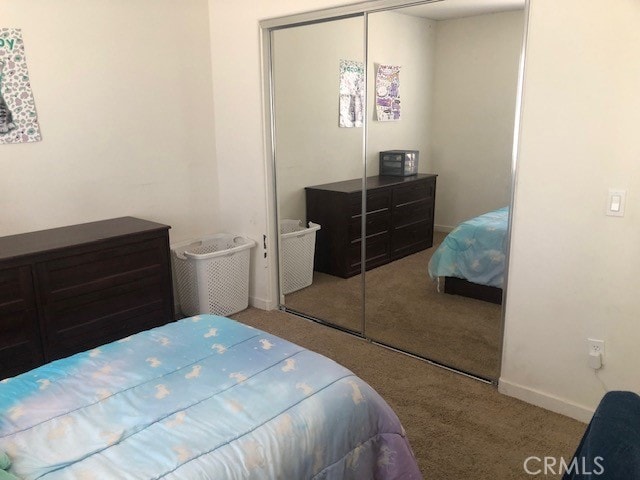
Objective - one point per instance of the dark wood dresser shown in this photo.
(399, 221)
(69, 289)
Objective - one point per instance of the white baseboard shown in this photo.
(546, 401)
(261, 303)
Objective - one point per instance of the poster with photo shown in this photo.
(388, 93)
(18, 118)
(351, 93)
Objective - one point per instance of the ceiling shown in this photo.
(446, 9)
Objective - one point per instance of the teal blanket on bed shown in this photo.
(205, 397)
(475, 250)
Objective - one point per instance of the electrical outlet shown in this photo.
(596, 346)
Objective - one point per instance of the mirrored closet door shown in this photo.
(416, 186)
(318, 111)
(457, 76)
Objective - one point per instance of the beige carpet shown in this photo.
(404, 309)
(459, 428)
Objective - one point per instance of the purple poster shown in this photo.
(388, 93)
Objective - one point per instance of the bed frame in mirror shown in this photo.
(460, 286)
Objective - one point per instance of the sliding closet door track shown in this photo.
(389, 347)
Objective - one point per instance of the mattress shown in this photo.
(202, 398)
(475, 250)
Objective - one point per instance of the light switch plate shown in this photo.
(615, 202)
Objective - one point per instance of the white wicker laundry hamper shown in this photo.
(298, 246)
(212, 274)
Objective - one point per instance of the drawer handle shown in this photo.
(385, 209)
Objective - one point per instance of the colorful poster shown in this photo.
(18, 119)
(351, 93)
(388, 93)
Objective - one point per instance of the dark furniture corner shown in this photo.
(399, 221)
(69, 289)
(610, 447)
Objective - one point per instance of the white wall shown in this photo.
(397, 39)
(474, 97)
(311, 148)
(574, 271)
(123, 95)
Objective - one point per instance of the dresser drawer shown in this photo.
(377, 201)
(411, 239)
(81, 323)
(102, 295)
(377, 252)
(378, 222)
(16, 289)
(20, 347)
(77, 275)
(413, 192)
(412, 213)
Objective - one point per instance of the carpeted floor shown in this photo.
(404, 309)
(459, 428)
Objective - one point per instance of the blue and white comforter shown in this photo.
(202, 398)
(474, 250)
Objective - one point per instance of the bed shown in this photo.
(471, 259)
(202, 398)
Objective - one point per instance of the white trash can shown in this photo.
(212, 274)
(298, 245)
